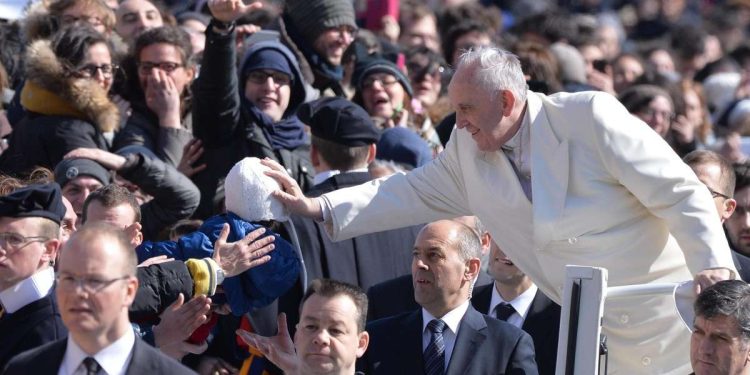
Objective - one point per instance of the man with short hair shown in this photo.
(343, 144)
(514, 298)
(330, 335)
(720, 343)
(738, 225)
(78, 178)
(96, 286)
(29, 241)
(717, 174)
(446, 335)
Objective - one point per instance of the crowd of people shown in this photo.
(379, 187)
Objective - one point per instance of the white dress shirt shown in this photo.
(521, 304)
(452, 324)
(29, 290)
(113, 359)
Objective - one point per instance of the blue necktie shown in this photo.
(434, 356)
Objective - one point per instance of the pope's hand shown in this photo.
(290, 193)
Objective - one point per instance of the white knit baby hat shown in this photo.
(248, 192)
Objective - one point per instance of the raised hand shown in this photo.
(237, 257)
(163, 98)
(278, 349)
(179, 320)
(190, 154)
(229, 10)
(291, 194)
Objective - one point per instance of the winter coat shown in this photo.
(62, 114)
(256, 287)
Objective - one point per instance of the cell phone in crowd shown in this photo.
(600, 65)
(261, 36)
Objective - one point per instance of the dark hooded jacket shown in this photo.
(224, 125)
(62, 114)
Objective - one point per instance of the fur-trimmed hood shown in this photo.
(49, 91)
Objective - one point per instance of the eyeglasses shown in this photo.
(716, 194)
(91, 70)
(260, 77)
(418, 72)
(650, 113)
(387, 81)
(145, 67)
(70, 19)
(14, 241)
(91, 285)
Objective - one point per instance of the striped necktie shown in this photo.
(434, 356)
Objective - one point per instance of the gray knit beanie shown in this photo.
(312, 17)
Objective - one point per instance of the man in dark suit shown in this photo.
(396, 296)
(719, 177)
(96, 284)
(29, 240)
(514, 298)
(343, 144)
(446, 335)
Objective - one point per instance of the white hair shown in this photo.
(495, 70)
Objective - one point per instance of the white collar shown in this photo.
(30, 289)
(452, 319)
(520, 135)
(521, 304)
(322, 176)
(113, 358)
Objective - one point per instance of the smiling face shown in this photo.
(382, 95)
(490, 118)
(502, 269)
(327, 339)
(270, 91)
(332, 43)
(718, 348)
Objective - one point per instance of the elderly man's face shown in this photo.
(440, 277)
(23, 249)
(738, 225)
(718, 348)
(94, 289)
(481, 113)
(327, 339)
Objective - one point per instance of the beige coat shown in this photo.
(607, 192)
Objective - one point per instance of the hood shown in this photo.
(298, 91)
(48, 84)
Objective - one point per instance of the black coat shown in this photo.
(542, 323)
(33, 325)
(226, 130)
(484, 345)
(47, 360)
(158, 287)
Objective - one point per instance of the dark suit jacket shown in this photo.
(484, 345)
(47, 359)
(364, 260)
(33, 325)
(742, 263)
(542, 323)
(396, 296)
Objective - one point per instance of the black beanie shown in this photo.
(312, 17)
